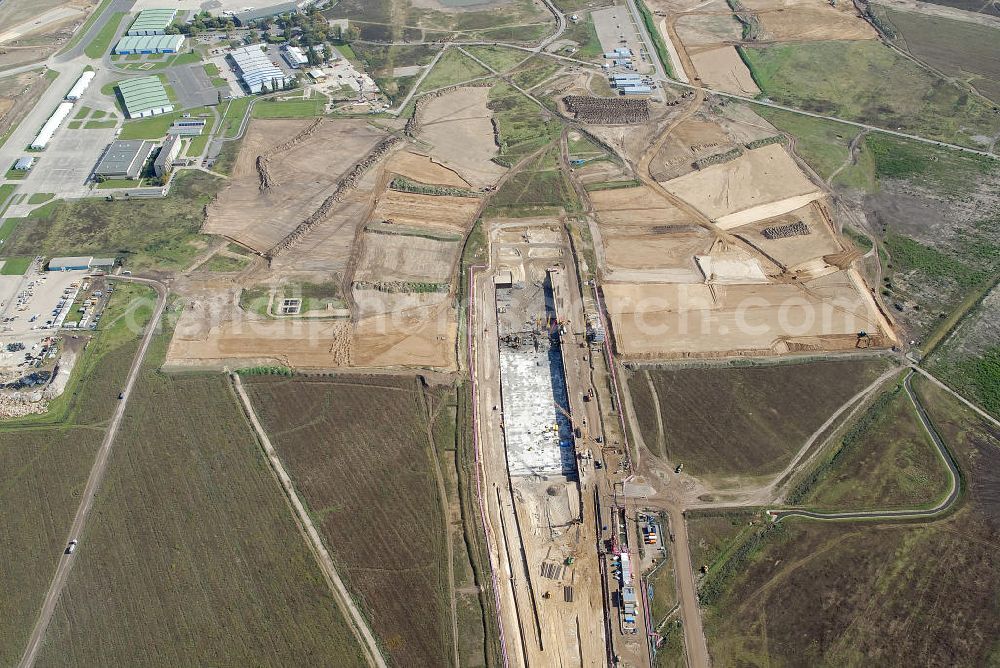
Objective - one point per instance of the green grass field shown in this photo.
(101, 43)
(499, 58)
(45, 460)
(288, 109)
(873, 84)
(540, 188)
(823, 144)
(522, 126)
(224, 263)
(16, 265)
(232, 117)
(884, 460)
(155, 127)
(192, 555)
(160, 233)
(453, 67)
(851, 593)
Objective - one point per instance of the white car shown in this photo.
(71, 547)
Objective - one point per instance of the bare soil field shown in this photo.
(699, 29)
(797, 250)
(213, 331)
(404, 329)
(723, 69)
(424, 169)
(18, 94)
(657, 255)
(363, 465)
(809, 20)
(828, 593)
(681, 320)
(635, 207)
(399, 257)
(303, 165)
(457, 124)
(748, 421)
(330, 244)
(449, 213)
(761, 183)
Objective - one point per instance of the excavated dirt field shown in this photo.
(398, 257)
(699, 29)
(670, 320)
(724, 70)
(761, 183)
(454, 214)
(458, 126)
(794, 251)
(213, 331)
(809, 20)
(301, 177)
(404, 330)
(424, 169)
(635, 206)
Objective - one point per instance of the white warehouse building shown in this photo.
(51, 125)
(256, 70)
(76, 92)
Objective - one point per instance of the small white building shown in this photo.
(294, 56)
(76, 92)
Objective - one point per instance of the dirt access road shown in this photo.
(94, 480)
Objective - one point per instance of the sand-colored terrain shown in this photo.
(398, 257)
(213, 331)
(444, 212)
(424, 169)
(635, 206)
(404, 330)
(723, 69)
(792, 251)
(698, 29)
(652, 321)
(810, 20)
(301, 176)
(761, 183)
(458, 126)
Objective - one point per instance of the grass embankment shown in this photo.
(500, 58)
(659, 44)
(452, 67)
(540, 188)
(155, 233)
(233, 116)
(288, 109)
(385, 530)
(742, 421)
(522, 127)
(45, 460)
(156, 127)
(101, 43)
(212, 563)
(870, 83)
(843, 593)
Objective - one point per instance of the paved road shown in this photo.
(93, 481)
(943, 506)
(363, 631)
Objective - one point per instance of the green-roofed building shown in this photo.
(152, 22)
(144, 97)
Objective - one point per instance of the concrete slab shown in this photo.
(192, 86)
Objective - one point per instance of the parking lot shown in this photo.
(192, 86)
(65, 165)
